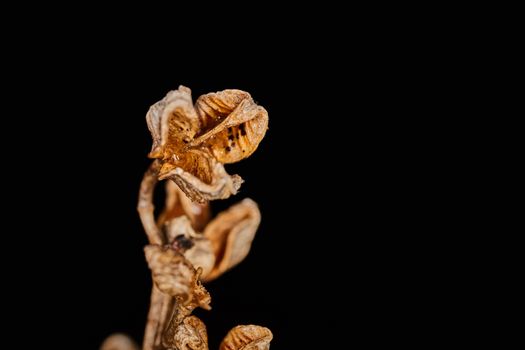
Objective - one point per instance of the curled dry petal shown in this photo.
(221, 186)
(201, 255)
(178, 204)
(174, 275)
(119, 342)
(231, 234)
(172, 122)
(234, 124)
(247, 338)
(189, 334)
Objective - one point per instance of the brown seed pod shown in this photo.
(231, 234)
(247, 338)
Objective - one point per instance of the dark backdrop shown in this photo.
(317, 176)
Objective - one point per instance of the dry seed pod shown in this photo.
(234, 124)
(231, 234)
(174, 275)
(178, 204)
(118, 342)
(189, 334)
(247, 338)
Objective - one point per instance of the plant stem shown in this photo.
(159, 302)
(145, 205)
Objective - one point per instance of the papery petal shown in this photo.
(231, 234)
(172, 122)
(189, 334)
(221, 185)
(174, 275)
(233, 124)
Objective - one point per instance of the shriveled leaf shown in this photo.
(189, 334)
(174, 275)
(172, 122)
(119, 342)
(178, 204)
(233, 125)
(231, 234)
(248, 337)
(222, 184)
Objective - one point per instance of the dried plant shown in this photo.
(191, 144)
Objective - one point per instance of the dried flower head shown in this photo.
(192, 142)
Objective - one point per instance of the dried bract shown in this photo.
(189, 334)
(231, 234)
(212, 181)
(234, 124)
(247, 338)
(174, 275)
